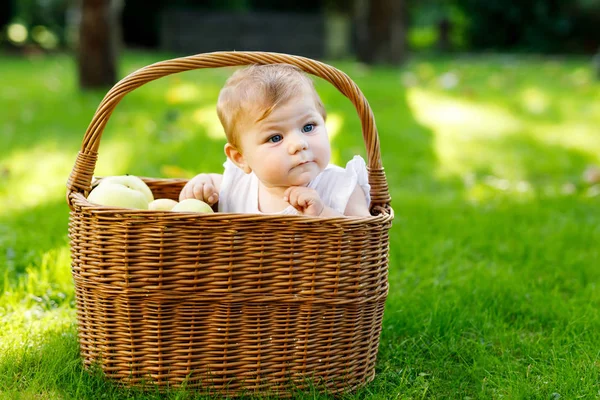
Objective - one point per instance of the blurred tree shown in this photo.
(99, 38)
(6, 12)
(380, 31)
(545, 26)
(43, 20)
(439, 24)
(142, 18)
(339, 29)
(596, 64)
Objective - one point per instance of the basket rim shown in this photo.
(81, 203)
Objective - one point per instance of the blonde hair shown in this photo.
(256, 91)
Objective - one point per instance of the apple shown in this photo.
(193, 205)
(132, 182)
(117, 195)
(162, 204)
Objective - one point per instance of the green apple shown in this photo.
(162, 204)
(193, 205)
(117, 195)
(132, 182)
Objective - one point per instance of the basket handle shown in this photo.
(81, 176)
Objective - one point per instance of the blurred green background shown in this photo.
(540, 26)
(488, 115)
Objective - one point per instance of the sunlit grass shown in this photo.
(464, 132)
(33, 176)
(523, 128)
(471, 139)
(493, 265)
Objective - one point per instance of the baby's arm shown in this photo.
(203, 187)
(308, 202)
(357, 204)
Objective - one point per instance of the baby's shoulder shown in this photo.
(336, 184)
(354, 168)
(333, 169)
(332, 175)
(234, 177)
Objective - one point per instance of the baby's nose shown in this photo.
(298, 143)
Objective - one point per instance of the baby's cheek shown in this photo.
(326, 151)
(325, 159)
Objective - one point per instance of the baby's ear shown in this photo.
(237, 158)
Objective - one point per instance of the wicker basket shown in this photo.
(233, 303)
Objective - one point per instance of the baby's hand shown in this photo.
(305, 200)
(200, 187)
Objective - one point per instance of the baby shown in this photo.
(278, 151)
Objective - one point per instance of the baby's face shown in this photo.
(290, 147)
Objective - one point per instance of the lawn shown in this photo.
(494, 262)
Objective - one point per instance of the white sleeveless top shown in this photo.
(239, 191)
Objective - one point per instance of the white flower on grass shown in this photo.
(449, 80)
(498, 183)
(523, 186)
(409, 79)
(591, 174)
(593, 191)
(568, 188)
(469, 179)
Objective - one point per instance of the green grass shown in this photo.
(494, 264)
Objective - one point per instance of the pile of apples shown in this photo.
(129, 191)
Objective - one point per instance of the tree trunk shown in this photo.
(380, 31)
(444, 31)
(596, 64)
(99, 37)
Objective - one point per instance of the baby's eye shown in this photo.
(275, 138)
(308, 128)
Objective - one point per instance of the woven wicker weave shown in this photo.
(234, 303)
